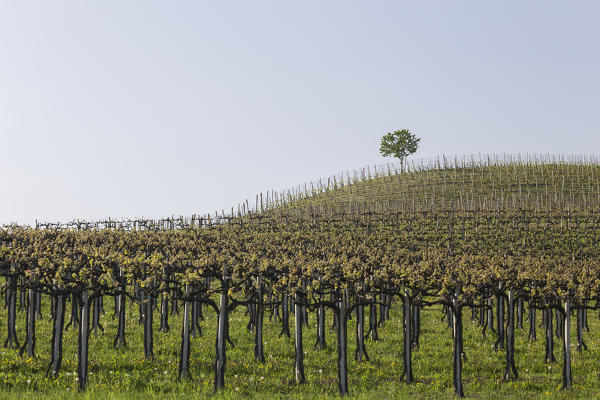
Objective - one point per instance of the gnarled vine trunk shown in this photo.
(56, 345)
(342, 345)
(299, 359)
(83, 342)
(407, 373)
(457, 355)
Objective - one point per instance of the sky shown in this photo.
(126, 108)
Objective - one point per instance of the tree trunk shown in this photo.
(120, 338)
(407, 374)
(490, 315)
(382, 309)
(22, 295)
(416, 331)
(184, 359)
(84, 336)
(74, 320)
(285, 316)
(549, 344)
(222, 335)
(258, 323)
(510, 370)
(194, 319)
(11, 338)
(373, 320)
(164, 313)
(148, 328)
(580, 324)
(532, 324)
(275, 314)
(566, 337)
(96, 315)
(361, 350)
(342, 345)
(499, 345)
(38, 305)
(299, 364)
(320, 344)
(56, 344)
(30, 325)
(457, 348)
(520, 309)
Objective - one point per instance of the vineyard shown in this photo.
(507, 247)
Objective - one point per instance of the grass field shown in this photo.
(528, 185)
(124, 374)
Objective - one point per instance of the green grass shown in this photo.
(486, 185)
(124, 374)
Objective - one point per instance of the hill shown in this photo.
(461, 184)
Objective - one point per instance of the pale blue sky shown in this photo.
(131, 108)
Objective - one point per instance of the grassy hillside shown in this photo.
(539, 183)
(535, 184)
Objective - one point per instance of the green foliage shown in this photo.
(399, 144)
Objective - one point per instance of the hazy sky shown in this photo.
(147, 108)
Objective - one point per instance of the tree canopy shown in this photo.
(399, 144)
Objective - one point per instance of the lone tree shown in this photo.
(399, 144)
